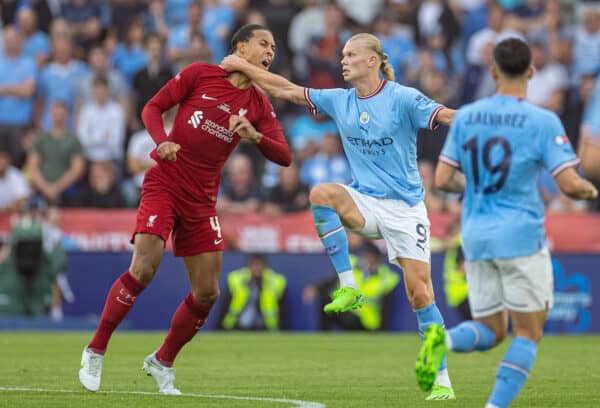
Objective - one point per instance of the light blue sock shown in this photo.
(469, 336)
(333, 236)
(513, 372)
(426, 317)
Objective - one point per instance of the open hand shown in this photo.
(168, 151)
(242, 126)
(232, 63)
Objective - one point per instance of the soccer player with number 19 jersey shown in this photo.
(216, 110)
(500, 145)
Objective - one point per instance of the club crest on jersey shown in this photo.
(224, 107)
(242, 112)
(364, 118)
(151, 220)
(195, 119)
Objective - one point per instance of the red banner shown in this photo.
(110, 230)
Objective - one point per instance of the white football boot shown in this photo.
(90, 372)
(164, 376)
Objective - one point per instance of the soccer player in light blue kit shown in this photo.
(378, 121)
(500, 145)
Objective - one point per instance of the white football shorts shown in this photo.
(522, 284)
(404, 229)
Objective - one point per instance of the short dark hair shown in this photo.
(512, 56)
(245, 33)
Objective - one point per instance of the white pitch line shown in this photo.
(296, 403)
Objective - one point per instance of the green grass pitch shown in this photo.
(39, 369)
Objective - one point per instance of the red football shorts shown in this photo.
(195, 226)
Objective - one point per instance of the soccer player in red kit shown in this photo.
(216, 110)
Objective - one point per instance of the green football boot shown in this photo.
(439, 392)
(344, 299)
(431, 355)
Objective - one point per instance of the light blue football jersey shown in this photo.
(379, 135)
(501, 143)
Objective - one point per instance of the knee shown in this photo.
(206, 297)
(320, 195)
(420, 297)
(143, 269)
(500, 335)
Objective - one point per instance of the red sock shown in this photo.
(187, 320)
(120, 298)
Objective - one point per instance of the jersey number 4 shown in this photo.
(500, 168)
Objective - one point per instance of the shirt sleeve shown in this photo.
(174, 92)
(273, 145)
(557, 152)
(323, 100)
(422, 110)
(451, 150)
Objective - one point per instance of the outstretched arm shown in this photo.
(273, 84)
(445, 116)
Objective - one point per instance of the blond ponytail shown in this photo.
(386, 69)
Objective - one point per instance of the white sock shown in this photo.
(443, 378)
(448, 341)
(347, 279)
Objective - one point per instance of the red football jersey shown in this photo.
(206, 101)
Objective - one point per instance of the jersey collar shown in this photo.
(375, 92)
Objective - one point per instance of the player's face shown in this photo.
(356, 60)
(260, 49)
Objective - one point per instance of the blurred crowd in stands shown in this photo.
(75, 75)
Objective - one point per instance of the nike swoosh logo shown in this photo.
(218, 241)
(123, 302)
(210, 98)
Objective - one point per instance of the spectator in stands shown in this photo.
(325, 52)
(56, 162)
(123, 12)
(129, 57)
(289, 195)
(306, 24)
(179, 47)
(17, 85)
(84, 17)
(240, 194)
(98, 65)
(328, 165)
(176, 12)
(101, 125)
(198, 51)
(307, 133)
(547, 87)
(59, 78)
(496, 30)
(148, 80)
(13, 185)
(36, 44)
(376, 281)
(155, 19)
(255, 298)
(101, 189)
(586, 44)
(217, 20)
(399, 47)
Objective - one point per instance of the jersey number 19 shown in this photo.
(501, 167)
